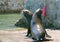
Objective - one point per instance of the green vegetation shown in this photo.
(7, 21)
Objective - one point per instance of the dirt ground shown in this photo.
(20, 36)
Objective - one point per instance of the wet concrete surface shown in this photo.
(20, 36)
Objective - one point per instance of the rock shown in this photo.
(22, 23)
(33, 5)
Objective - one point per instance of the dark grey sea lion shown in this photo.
(28, 14)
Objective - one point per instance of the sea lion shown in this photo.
(28, 14)
(37, 28)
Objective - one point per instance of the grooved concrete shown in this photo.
(20, 36)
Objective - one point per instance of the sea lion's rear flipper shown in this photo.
(47, 34)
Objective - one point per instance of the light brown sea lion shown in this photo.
(37, 29)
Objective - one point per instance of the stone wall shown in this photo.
(11, 5)
(53, 11)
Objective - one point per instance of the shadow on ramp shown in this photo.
(46, 40)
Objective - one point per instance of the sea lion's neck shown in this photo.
(37, 19)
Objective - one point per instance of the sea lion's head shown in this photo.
(27, 12)
(38, 13)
